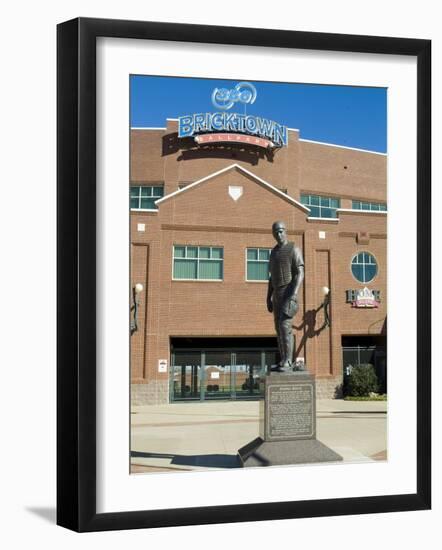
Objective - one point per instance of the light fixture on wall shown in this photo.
(136, 291)
(326, 305)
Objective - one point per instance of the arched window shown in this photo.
(364, 267)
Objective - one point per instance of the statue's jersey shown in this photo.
(284, 263)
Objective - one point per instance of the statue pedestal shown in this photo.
(287, 424)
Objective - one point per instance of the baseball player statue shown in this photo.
(286, 268)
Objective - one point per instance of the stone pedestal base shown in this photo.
(277, 453)
(287, 424)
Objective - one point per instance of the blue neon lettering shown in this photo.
(251, 124)
(232, 122)
(264, 127)
(240, 124)
(198, 122)
(280, 133)
(217, 121)
(185, 126)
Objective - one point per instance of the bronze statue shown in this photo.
(286, 268)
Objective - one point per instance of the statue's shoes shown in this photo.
(279, 368)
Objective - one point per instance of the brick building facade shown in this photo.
(201, 218)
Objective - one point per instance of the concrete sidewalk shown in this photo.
(207, 435)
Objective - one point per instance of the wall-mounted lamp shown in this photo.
(136, 290)
(326, 305)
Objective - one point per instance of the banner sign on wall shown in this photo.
(363, 297)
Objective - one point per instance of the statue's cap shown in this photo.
(276, 224)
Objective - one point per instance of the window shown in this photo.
(144, 196)
(364, 267)
(321, 207)
(362, 205)
(198, 263)
(258, 264)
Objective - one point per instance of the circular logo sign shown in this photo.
(243, 92)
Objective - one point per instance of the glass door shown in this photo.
(205, 374)
(249, 369)
(186, 375)
(217, 383)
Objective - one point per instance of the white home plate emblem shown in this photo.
(235, 192)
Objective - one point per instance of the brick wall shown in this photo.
(302, 166)
(207, 215)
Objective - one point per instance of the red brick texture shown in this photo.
(207, 215)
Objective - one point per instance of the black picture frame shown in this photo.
(76, 274)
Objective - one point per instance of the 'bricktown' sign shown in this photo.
(236, 127)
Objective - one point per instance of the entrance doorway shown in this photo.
(220, 368)
(362, 350)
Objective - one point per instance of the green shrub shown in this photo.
(362, 381)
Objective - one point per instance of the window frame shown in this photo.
(371, 204)
(139, 209)
(197, 246)
(355, 255)
(320, 206)
(258, 248)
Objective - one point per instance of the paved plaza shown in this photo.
(207, 435)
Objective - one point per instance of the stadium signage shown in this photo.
(364, 298)
(202, 139)
(243, 92)
(268, 133)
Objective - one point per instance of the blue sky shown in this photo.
(343, 115)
